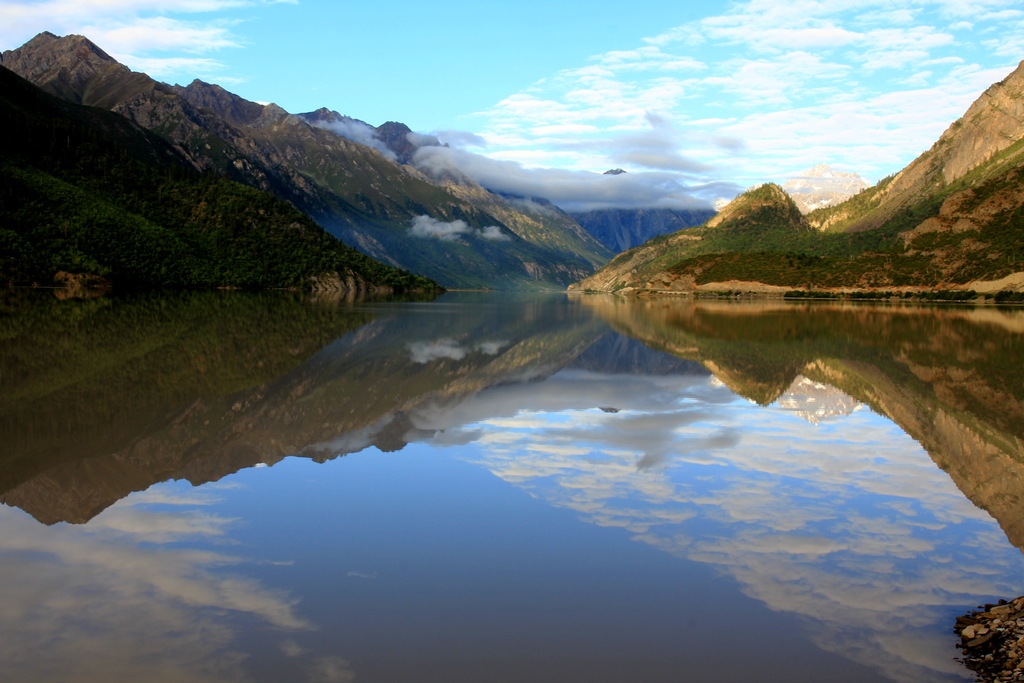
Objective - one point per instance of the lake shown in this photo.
(498, 487)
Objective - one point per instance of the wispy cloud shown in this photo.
(174, 596)
(857, 83)
(358, 131)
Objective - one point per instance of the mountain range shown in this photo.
(951, 221)
(89, 198)
(449, 229)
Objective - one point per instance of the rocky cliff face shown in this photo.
(821, 186)
(993, 123)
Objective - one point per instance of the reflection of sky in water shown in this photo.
(122, 599)
(848, 523)
(391, 566)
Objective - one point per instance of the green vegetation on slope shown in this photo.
(85, 191)
(83, 378)
(978, 239)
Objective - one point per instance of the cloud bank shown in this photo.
(574, 190)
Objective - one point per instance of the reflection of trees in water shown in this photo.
(198, 386)
(85, 379)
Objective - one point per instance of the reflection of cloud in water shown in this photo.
(423, 352)
(163, 615)
(847, 522)
(331, 670)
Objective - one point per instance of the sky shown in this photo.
(704, 99)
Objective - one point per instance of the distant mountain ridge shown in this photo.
(353, 190)
(622, 229)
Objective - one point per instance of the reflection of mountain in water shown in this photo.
(951, 378)
(107, 396)
(814, 401)
(198, 386)
(620, 355)
(837, 521)
(86, 384)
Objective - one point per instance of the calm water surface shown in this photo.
(233, 487)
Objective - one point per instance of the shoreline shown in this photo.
(992, 640)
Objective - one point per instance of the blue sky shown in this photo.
(713, 97)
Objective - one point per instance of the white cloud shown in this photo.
(787, 84)
(357, 131)
(168, 612)
(577, 190)
(162, 34)
(460, 138)
(427, 352)
(493, 233)
(425, 226)
(839, 523)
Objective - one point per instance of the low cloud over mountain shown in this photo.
(574, 190)
(425, 226)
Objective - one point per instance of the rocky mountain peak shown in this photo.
(225, 104)
(614, 171)
(823, 170)
(768, 196)
(65, 66)
(823, 186)
(323, 115)
(401, 140)
(75, 69)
